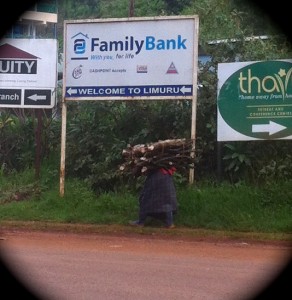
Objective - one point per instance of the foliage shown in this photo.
(18, 138)
(20, 188)
(276, 165)
(16, 142)
(98, 132)
(79, 9)
(238, 160)
(175, 7)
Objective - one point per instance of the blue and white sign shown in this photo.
(129, 91)
(130, 58)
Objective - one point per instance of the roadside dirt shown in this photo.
(147, 233)
(219, 249)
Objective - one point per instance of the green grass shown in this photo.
(242, 208)
(221, 207)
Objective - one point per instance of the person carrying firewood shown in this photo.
(158, 198)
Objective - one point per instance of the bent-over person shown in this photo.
(158, 198)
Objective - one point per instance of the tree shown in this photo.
(97, 133)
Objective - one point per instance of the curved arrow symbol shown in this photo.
(271, 128)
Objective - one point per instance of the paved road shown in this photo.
(84, 267)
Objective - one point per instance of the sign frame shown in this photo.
(143, 72)
(164, 43)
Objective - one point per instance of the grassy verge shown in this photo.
(204, 209)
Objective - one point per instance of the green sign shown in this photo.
(255, 100)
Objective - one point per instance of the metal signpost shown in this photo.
(255, 101)
(28, 73)
(129, 59)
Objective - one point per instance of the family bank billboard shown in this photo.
(28, 73)
(254, 100)
(130, 58)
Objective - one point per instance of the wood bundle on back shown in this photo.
(142, 158)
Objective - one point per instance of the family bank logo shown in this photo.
(79, 45)
(128, 43)
(17, 61)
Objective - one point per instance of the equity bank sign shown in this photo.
(16, 61)
(28, 73)
(254, 100)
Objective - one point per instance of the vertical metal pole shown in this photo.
(63, 148)
(194, 100)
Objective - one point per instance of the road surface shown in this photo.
(67, 266)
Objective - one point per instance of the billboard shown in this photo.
(254, 100)
(130, 58)
(28, 73)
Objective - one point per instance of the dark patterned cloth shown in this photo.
(158, 194)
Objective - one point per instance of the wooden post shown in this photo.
(131, 8)
(38, 139)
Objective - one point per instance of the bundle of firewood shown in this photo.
(142, 158)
